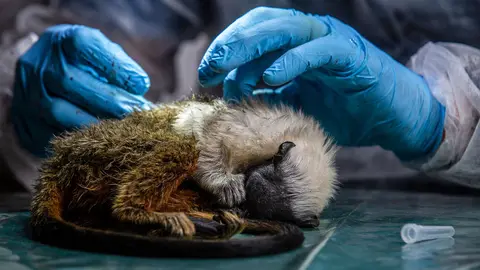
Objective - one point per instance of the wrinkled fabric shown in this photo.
(400, 28)
(20, 163)
(452, 72)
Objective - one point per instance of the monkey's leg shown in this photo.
(136, 207)
(146, 189)
(222, 225)
(261, 227)
(168, 224)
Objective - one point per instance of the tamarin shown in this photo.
(183, 178)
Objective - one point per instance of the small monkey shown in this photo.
(294, 159)
(186, 176)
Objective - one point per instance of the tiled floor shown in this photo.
(360, 230)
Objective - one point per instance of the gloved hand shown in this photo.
(360, 95)
(71, 77)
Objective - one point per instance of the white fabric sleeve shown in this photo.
(22, 164)
(452, 72)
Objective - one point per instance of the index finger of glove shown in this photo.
(209, 75)
(99, 98)
(242, 81)
(331, 52)
(265, 37)
(89, 47)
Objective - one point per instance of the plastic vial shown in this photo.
(412, 233)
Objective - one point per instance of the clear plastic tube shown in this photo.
(412, 233)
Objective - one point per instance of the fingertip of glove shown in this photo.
(59, 28)
(215, 60)
(137, 83)
(77, 36)
(204, 75)
(231, 97)
(212, 66)
(207, 77)
(271, 78)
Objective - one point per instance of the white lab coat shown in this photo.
(451, 71)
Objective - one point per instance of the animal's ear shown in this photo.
(282, 152)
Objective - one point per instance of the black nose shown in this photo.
(311, 223)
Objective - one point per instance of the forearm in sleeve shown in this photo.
(21, 164)
(452, 72)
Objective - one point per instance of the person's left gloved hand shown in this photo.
(72, 76)
(360, 95)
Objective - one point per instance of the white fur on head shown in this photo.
(194, 115)
(232, 138)
(309, 169)
(310, 175)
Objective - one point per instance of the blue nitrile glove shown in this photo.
(359, 94)
(72, 76)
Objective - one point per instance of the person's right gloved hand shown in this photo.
(71, 77)
(358, 93)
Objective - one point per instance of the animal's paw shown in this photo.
(233, 224)
(175, 225)
(182, 226)
(232, 192)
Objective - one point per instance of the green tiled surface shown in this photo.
(361, 230)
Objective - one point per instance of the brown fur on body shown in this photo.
(126, 182)
(137, 162)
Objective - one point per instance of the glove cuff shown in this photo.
(429, 136)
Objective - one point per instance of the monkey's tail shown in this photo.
(48, 227)
(63, 234)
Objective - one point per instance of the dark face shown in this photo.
(267, 195)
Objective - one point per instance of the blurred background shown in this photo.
(361, 228)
